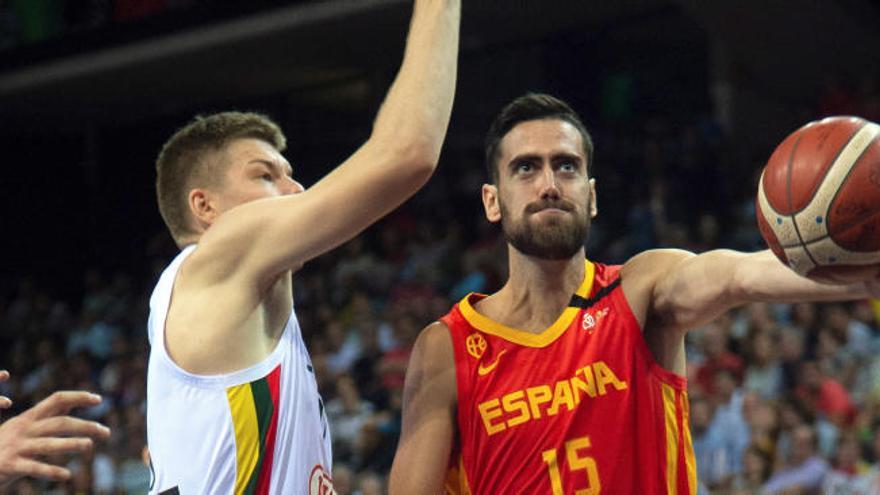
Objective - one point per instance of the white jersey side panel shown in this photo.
(211, 434)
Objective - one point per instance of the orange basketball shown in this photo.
(818, 202)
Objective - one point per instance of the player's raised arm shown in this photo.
(429, 404)
(267, 237)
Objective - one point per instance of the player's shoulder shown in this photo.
(653, 263)
(433, 347)
(433, 362)
(642, 273)
(211, 266)
(434, 336)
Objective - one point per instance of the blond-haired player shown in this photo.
(232, 404)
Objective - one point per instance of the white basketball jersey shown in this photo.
(255, 431)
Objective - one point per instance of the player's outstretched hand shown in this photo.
(47, 430)
(5, 402)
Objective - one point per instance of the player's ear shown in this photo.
(202, 205)
(593, 209)
(491, 202)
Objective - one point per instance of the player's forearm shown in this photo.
(762, 277)
(697, 289)
(415, 114)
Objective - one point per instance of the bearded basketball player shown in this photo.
(570, 378)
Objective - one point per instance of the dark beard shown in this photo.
(560, 241)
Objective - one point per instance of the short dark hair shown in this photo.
(187, 159)
(531, 106)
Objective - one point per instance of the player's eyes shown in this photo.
(523, 167)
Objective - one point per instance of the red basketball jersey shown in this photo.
(579, 408)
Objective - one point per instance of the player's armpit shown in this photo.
(649, 281)
(429, 408)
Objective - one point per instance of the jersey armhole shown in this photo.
(666, 376)
(160, 304)
(462, 384)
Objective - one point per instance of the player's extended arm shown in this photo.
(267, 237)
(429, 402)
(46, 430)
(687, 290)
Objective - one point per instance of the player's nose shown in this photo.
(291, 186)
(549, 185)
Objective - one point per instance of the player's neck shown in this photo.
(536, 292)
(549, 278)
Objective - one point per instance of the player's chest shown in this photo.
(510, 384)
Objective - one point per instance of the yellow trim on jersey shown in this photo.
(247, 433)
(671, 439)
(689, 458)
(875, 305)
(522, 337)
(456, 482)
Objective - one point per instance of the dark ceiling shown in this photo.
(282, 50)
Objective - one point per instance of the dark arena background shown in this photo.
(685, 100)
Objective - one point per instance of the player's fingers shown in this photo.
(5, 402)
(57, 446)
(37, 469)
(62, 402)
(69, 426)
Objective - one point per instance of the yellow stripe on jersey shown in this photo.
(689, 458)
(875, 305)
(522, 337)
(247, 433)
(456, 482)
(671, 439)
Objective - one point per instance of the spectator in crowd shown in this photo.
(825, 395)
(348, 414)
(846, 476)
(871, 478)
(757, 466)
(763, 373)
(803, 469)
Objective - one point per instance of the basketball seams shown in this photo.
(793, 260)
(819, 183)
(843, 256)
(839, 231)
(838, 180)
(789, 205)
(848, 156)
(856, 147)
(783, 231)
(818, 170)
(855, 163)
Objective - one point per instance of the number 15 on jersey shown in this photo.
(577, 461)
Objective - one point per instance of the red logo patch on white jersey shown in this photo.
(320, 482)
